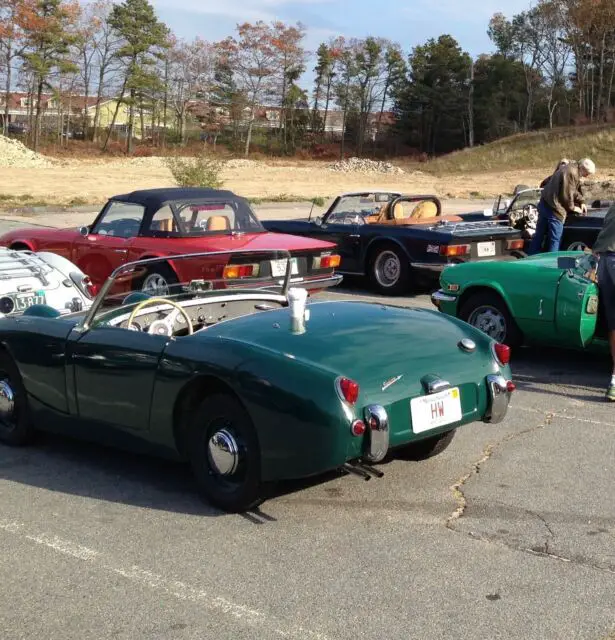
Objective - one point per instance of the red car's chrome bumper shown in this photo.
(312, 284)
(318, 284)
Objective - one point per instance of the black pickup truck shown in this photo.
(403, 241)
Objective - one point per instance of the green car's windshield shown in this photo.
(190, 277)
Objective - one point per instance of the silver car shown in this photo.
(28, 278)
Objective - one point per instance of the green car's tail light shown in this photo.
(454, 249)
(502, 353)
(510, 386)
(348, 390)
(358, 428)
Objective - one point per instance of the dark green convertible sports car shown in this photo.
(248, 385)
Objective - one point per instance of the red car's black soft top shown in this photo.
(154, 199)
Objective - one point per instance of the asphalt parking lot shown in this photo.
(510, 533)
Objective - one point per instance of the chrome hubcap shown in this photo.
(7, 402)
(155, 284)
(223, 453)
(387, 269)
(490, 321)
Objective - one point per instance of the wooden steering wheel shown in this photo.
(165, 323)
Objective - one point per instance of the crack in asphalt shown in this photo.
(551, 534)
(462, 503)
(457, 488)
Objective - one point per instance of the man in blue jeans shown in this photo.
(560, 195)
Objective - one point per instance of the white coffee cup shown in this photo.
(297, 299)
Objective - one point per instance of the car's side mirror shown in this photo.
(318, 221)
(488, 212)
(84, 231)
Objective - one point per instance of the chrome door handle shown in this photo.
(120, 250)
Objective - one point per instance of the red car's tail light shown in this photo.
(502, 353)
(233, 271)
(357, 428)
(348, 390)
(326, 262)
(515, 244)
(454, 249)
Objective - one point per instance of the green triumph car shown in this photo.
(251, 385)
(549, 299)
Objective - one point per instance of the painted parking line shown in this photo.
(156, 582)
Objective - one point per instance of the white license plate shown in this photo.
(278, 267)
(486, 249)
(435, 410)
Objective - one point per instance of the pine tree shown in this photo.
(144, 39)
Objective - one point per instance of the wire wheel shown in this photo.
(489, 320)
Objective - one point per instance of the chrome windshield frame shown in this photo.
(128, 266)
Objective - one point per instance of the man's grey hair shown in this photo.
(588, 165)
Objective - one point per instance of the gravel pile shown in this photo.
(15, 154)
(364, 165)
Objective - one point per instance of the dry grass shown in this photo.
(536, 150)
(482, 172)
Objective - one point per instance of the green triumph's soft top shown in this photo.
(549, 298)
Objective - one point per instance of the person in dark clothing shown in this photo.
(561, 195)
(562, 163)
(604, 250)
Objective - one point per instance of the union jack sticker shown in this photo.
(433, 248)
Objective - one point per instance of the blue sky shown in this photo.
(409, 22)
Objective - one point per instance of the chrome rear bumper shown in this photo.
(499, 399)
(377, 423)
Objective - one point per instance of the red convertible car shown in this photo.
(162, 222)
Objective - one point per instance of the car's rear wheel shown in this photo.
(225, 454)
(430, 447)
(157, 281)
(389, 270)
(15, 427)
(488, 312)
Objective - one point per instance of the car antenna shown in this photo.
(311, 209)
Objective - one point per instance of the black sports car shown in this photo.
(580, 231)
(401, 240)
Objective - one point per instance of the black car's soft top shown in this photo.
(154, 199)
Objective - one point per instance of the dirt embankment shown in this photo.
(29, 178)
